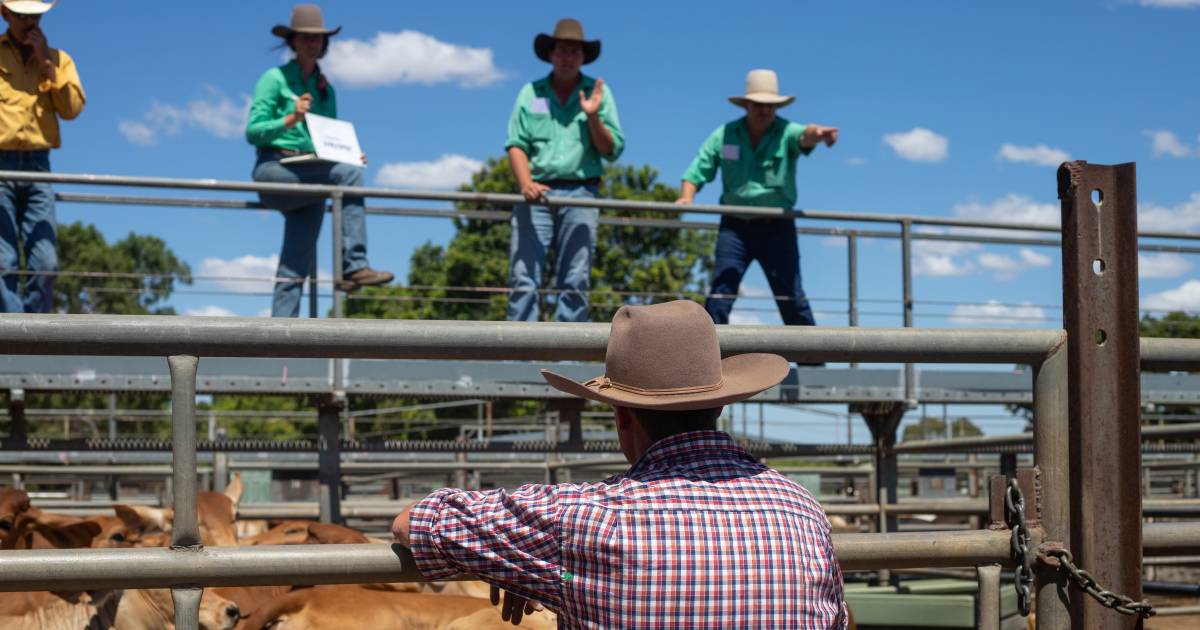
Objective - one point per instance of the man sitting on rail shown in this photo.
(757, 156)
(696, 534)
(38, 85)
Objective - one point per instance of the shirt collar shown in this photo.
(692, 446)
(545, 85)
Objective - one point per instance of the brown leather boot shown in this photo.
(364, 277)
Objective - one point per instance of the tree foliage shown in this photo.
(931, 428)
(145, 269)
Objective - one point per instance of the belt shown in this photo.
(570, 183)
(283, 152)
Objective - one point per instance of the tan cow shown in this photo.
(149, 609)
(308, 533)
(12, 503)
(362, 608)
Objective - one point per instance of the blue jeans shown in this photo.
(571, 232)
(302, 217)
(773, 244)
(27, 217)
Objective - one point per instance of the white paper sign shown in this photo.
(333, 139)
(539, 105)
(730, 151)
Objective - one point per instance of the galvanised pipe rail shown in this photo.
(148, 335)
(504, 215)
(512, 199)
(951, 445)
(90, 569)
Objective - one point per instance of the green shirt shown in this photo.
(556, 137)
(765, 176)
(275, 97)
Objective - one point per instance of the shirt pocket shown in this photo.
(541, 127)
(774, 169)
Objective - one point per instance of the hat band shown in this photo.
(603, 382)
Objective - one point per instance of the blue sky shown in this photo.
(945, 109)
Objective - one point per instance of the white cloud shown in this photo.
(1011, 208)
(1007, 267)
(856, 161)
(1163, 142)
(1185, 297)
(137, 133)
(942, 259)
(266, 312)
(408, 57)
(1184, 217)
(210, 310)
(448, 171)
(244, 274)
(993, 313)
(216, 114)
(1171, 4)
(740, 318)
(1040, 155)
(1165, 265)
(919, 145)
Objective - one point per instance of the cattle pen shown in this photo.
(1084, 493)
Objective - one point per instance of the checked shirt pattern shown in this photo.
(696, 534)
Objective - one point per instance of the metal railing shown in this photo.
(185, 339)
(186, 567)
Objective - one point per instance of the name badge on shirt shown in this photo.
(539, 106)
(730, 151)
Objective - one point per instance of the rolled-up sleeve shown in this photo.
(703, 168)
(516, 123)
(608, 115)
(507, 539)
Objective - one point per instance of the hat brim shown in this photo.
(543, 44)
(765, 99)
(29, 7)
(745, 375)
(279, 30)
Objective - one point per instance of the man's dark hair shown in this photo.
(662, 423)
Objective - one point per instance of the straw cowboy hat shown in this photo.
(306, 18)
(567, 29)
(762, 86)
(29, 7)
(666, 356)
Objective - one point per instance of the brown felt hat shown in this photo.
(570, 30)
(666, 356)
(306, 18)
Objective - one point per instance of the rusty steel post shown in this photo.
(1100, 314)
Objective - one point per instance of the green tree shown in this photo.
(142, 273)
(931, 428)
(468, 278)
(1176, 325)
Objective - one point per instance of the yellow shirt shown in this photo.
(30, 103)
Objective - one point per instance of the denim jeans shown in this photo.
(773, 244)
(571, 232)
(302, 217)
(27, 216)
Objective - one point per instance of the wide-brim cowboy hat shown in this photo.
(306, 18)
(666, 356)
(28, 7)
(566, 30)
(762, 86)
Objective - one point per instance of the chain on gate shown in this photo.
(1014, 512)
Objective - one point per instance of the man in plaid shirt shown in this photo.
(696, 534)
